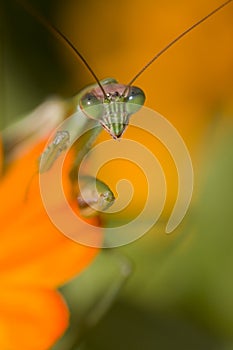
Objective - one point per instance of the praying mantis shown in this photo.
(107, 102)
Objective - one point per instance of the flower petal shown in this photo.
(30, 318)
(32, 250)
(44, 262)
(16, 182)
(1, 156)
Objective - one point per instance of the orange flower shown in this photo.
(35, 259)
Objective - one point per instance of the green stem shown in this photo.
(102, 306)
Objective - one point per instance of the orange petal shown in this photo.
(31, 319)
(43, 263)
(1, 156)
(32, 250)
(17, 180)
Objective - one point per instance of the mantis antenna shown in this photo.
(55, 31)
(175, 41)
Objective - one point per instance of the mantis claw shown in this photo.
(94, 196)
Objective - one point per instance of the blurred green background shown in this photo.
(31, 67)
(180, 292)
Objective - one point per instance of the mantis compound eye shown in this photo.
(134, 100)
(92, 106)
